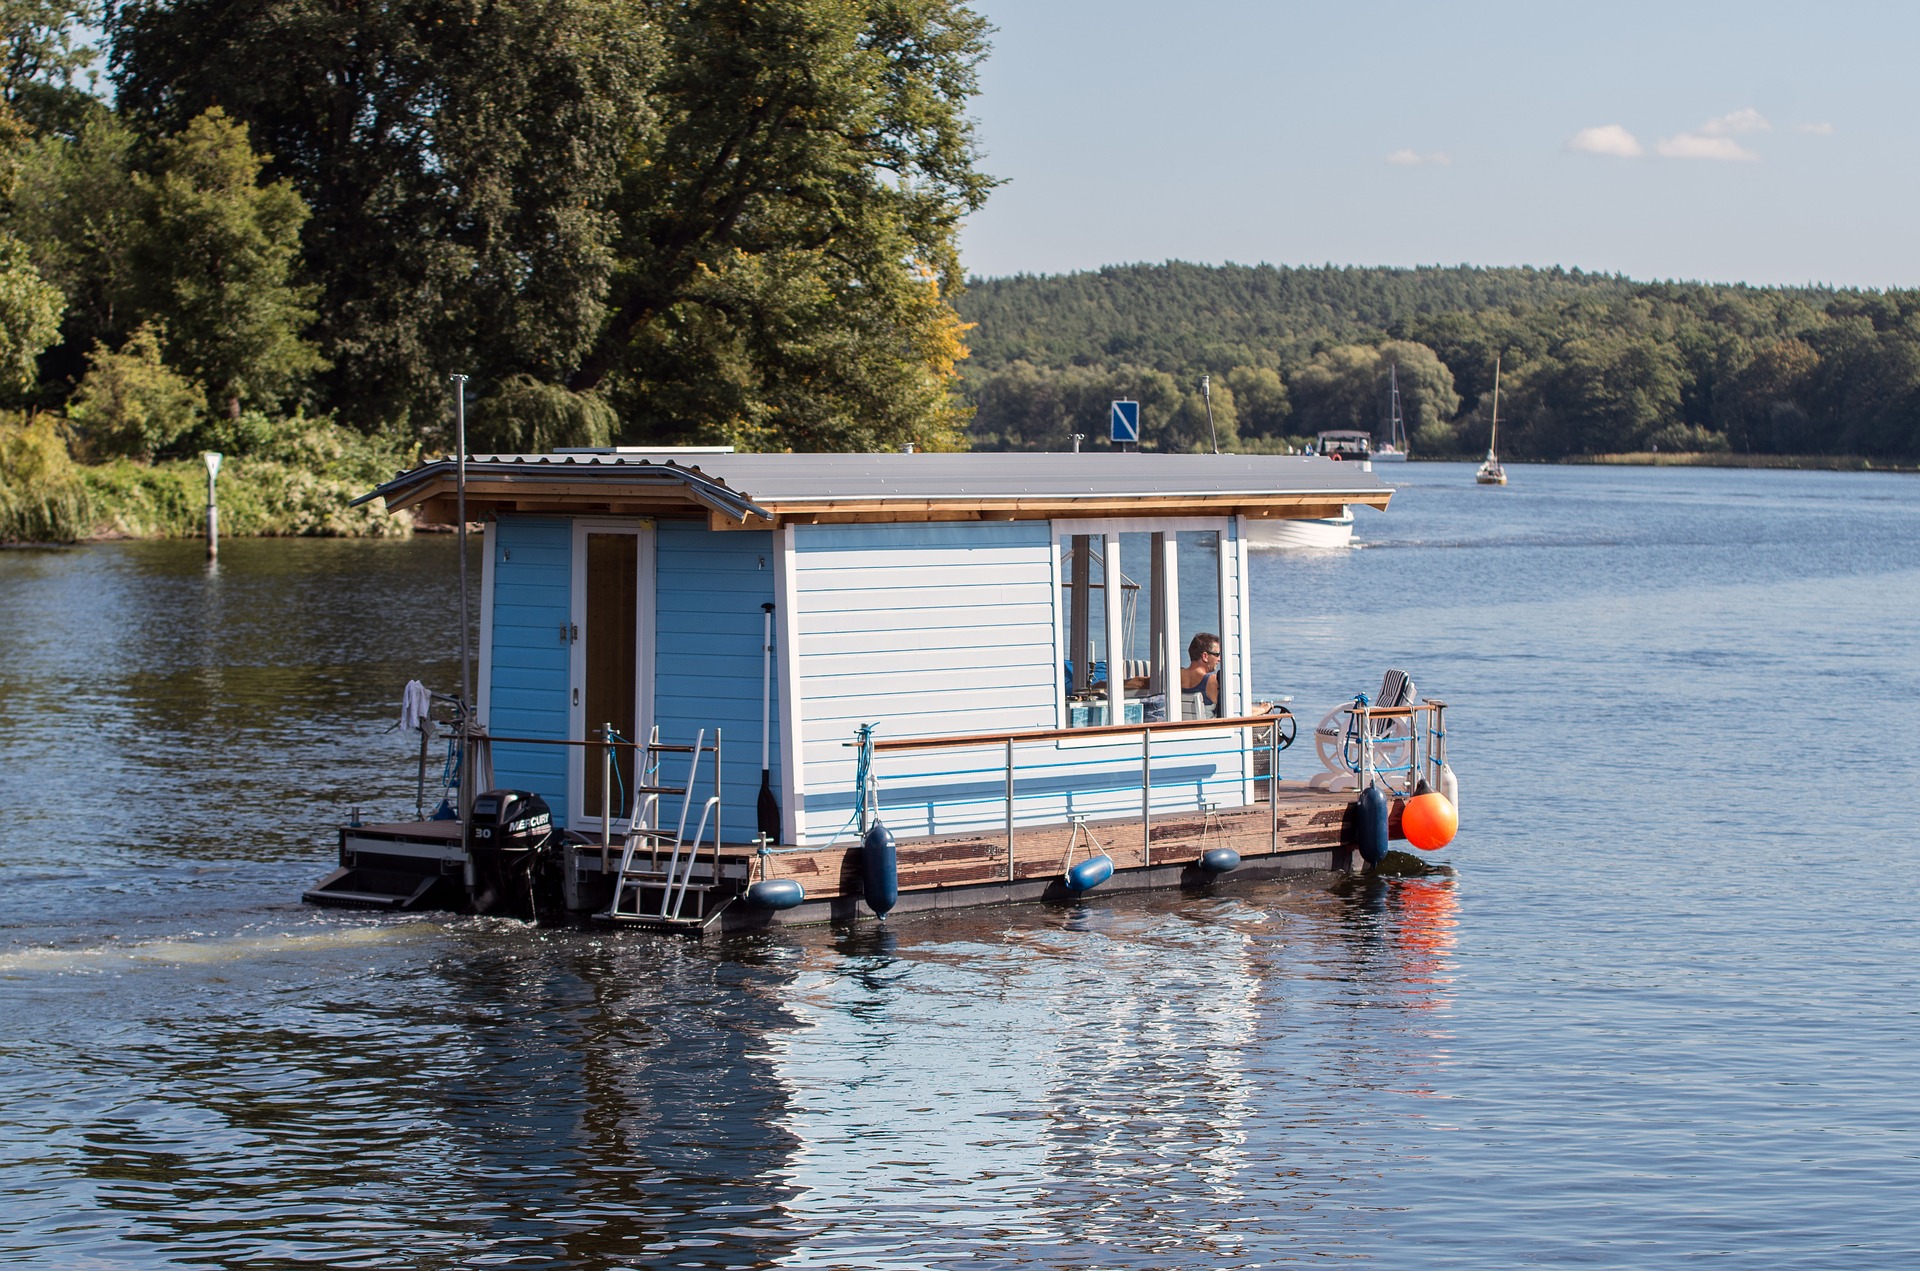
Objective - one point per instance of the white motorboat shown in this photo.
(1319, 533)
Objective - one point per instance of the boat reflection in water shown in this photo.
(1224, 1070)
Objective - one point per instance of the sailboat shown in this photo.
(1394, 449)
(1491, 473)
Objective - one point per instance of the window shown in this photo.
(1132, 602)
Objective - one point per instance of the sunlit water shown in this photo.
(1665, 1012)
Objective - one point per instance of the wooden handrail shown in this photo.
(1056, 734)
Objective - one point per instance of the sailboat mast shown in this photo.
(1396, 427)
(1493, 440)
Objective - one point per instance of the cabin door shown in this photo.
(612, 663)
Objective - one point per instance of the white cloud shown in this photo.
(1740, 121)
(1607, 139)
(1815, 130)
(1715, 138)
(1693, 145)
(1413, 158)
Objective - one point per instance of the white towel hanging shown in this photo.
(416, 707)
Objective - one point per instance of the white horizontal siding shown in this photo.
(918, 630)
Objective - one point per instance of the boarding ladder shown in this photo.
(664, 896)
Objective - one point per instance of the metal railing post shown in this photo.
(1009, 809)
(1146, 796)
(1273, 789)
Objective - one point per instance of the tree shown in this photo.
(1261, 397)
(457, 155)
(217, 262)
(30, 310)
(30, 307)
(1350, 386)
(131, 403)
(39, 56)
(801, 194)
(76, 206)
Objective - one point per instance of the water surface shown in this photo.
(1663, 1013)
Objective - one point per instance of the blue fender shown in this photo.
(776, 893)
(1220, 860)
(1090, 873)
(1373, 825)
(880, 869)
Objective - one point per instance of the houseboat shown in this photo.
(725, 690)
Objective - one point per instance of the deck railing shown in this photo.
(1256, 736)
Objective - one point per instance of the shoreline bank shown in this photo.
(1701, 459)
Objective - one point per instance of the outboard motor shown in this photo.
(509, 838)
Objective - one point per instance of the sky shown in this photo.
(1758, 142)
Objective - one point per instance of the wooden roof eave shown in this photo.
(663, 492)
(673, 492)
(1291, 506)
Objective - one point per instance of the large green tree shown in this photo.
(77, 206)
(787, 233)
(730, 217)
(217, 258)
(1349, 386)
(458, 157)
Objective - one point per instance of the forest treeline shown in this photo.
(647, 221)
(1590, 364)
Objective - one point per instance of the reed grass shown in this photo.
(303, 483)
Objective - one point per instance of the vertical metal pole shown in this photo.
(718, 805)
(1146, 795)
(460, 510)
(1009, 809)
(1273, 788)
(466, 666)
(606, 798)
(1110, 577)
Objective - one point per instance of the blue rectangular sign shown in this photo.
(1124, 422)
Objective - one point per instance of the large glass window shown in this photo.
(1135, 604)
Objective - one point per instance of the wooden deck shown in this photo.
(1302, 821)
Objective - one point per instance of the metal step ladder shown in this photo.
(654, 896)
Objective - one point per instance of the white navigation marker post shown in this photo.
(1123, 423)
(213, 506)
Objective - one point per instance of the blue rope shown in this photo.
(620, 808)
(862, 777)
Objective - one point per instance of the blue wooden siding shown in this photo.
(924, 630)
(707, 658)
(532, 604)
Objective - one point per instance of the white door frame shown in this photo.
(580, 817)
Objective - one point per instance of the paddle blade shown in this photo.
(769, 807)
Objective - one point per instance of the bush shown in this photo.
(42, 499)
(131, 404)
(233, 436)
(1688, 439)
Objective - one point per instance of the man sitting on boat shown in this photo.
(1200, 677)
